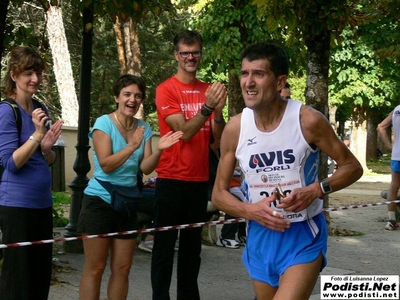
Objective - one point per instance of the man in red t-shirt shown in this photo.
(184, 103)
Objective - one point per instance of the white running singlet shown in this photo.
(282, 156)
(396, 131)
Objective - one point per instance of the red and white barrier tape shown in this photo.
(174, 227)
(359, 206)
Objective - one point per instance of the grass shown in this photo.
(381, 166)
(343, 232)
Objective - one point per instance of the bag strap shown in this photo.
(18, 118)
(17, 113)
(105, 184)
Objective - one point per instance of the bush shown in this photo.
(60, 199)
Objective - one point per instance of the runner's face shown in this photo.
(258, 83)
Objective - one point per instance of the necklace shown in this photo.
(127, 129)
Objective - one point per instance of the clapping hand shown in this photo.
(51, 136)
(216, 96)
(169, 139)
(137, 137)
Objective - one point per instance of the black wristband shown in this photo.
(219, 121)
(209, 108)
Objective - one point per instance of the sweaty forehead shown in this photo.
(256, 65)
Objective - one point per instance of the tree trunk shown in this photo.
(317, 72)
(132, 48)
(332, 117)
(120, 45)
(128, 50)
(235, 102)
(358, 142)
(62, 66)
(358, 138)
(372, 135)
(381, 144)
(317, 88)
(132, 54)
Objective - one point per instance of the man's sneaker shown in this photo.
(227, 243)
(392, 225)
(146, 246)
(242, 240)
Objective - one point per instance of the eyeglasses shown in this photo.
(186, 54)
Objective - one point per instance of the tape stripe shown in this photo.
(175, 227)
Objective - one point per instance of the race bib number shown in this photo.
(263, 185)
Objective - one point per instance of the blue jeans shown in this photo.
(177, 203)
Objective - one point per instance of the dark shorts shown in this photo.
(98, 217)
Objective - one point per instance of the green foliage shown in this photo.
(156, 36)
(206, 73)
(25, 26)
(124, 9)
(305, 19)
(364, 69)
(227, 27)
(358, 76)
(152, 119)
(59, 200)
(20, 27)
(297, 87)
(382, 21)
(105, 66)
(58, 217)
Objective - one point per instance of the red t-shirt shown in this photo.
(186, 161)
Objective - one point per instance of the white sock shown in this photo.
(392, 215)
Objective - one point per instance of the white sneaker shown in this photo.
(392, 225)
(146, 246)
(233, 244)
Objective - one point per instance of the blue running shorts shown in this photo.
(269, 253)
(395, 165)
